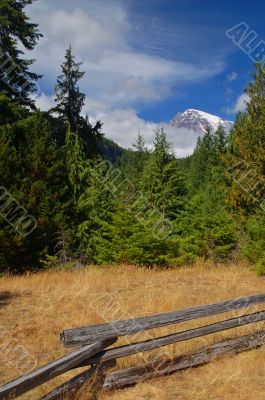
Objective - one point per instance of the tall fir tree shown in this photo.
(68, 98)
(69, 103)
(33, 172)
(137, 159)
(17, 81)
(246, 156)
(162, 179)
(201, 162)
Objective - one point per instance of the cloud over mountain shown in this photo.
(122, 75)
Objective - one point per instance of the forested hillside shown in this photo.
(96, 203)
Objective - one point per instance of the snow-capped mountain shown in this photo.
(197, 121)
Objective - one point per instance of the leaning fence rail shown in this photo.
(96, 339)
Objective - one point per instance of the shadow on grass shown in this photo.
(5, 297)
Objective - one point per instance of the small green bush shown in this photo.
(49, 262)
(260, 266)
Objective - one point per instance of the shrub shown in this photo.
(260, 266)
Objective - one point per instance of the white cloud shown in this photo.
(231, 77)
(240, 104)
(99, 33)
(123, 125)
(118, 77)
(44, 102)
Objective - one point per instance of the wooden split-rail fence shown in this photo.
(94, 349)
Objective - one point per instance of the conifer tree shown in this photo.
(17, 82)
(220, 140)
(32, 170)
(75, 162)
(139, 144)
(69, 99)
(162, 180)
(201, 162)
(140, 155)
(96, 207)
(70, 102)
(162, 149)
(246, 156)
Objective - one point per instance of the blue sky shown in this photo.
(202, 26)
(146, 60)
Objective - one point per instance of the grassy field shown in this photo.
(35, 308)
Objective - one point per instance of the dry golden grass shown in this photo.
(41, 305)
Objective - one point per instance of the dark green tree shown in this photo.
(140, 154)
(16, 30)
(132, 162)
(162, 179)
(162, 149)
(33, 172)
(220, 141)
(246, 156)
(201, 162)
(75, 162)
(10, 111)
(70, 102)
(69, 99)
(206, 230)
(96, 206)
(139, 144)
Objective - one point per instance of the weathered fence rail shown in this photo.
(96, 339)
(139, 347)
(51, 370)
(202, 356)
(90, 334)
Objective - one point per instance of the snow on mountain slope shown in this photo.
(197, 121)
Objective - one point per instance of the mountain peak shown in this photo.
(198, 121)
